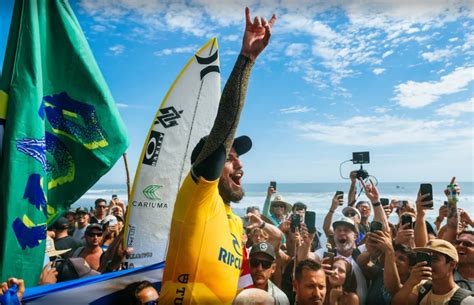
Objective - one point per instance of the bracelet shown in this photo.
(262, 225)
(376, 204)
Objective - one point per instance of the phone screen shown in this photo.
(376, 226)
(426, 188)
(407, 219)
(273, 184)
(310, 221)
(295, 222)
(384, 201)
(338, 193)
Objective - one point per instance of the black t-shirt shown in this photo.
(66, 243)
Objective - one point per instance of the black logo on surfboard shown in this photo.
(169, 117)
(155, 141)
(208, 61)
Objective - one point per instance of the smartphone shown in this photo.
(376, 226)
(310, 221)
(274, 185)
(340, 193)
(407, 219)
(445, 203)
(246, 221)
(402, 203)
(384, 201)
(295, 222)
(423, 257)
(114, 196)
(426, 188)
(329, 255)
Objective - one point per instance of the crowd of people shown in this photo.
(366, 260)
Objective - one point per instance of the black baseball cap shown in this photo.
(241, 145)
(82, 210)
(61, 224)
(264, 248)
(94, 226)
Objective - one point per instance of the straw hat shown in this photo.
(440, 246)
(280, 199)
(51, 250)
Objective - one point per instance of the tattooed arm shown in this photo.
(211, 159)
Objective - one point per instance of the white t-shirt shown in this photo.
(360, 278)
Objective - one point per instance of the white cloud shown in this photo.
(381, 109)
(388, 53)
(378, 71)
(295, 49)
(231, 38)
(457, 109)
(117, 49)
(438, 55)
(389, 131)
(453, 39)
(188, 49)
(296, 109)
(419, 94)
(121, 105)
(99, 28)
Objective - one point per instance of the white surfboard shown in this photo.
(185, 116)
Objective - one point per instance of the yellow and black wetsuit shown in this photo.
(205, 248)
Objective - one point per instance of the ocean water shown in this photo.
(317, 196)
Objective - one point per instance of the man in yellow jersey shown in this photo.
(205, 247)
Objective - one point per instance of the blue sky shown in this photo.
(394, 78)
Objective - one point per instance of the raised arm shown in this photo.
(421, 234)
(211, 159)
(379, 213)
(266, 204)
(352, 189)
(328, 218)
(453, 220)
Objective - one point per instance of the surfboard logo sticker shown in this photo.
(169, 117)
(155, 141)
(149, 192)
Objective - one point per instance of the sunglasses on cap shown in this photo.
(351, 214)
(91, 234)
(154, 302)
(464, 243)
(254, 262)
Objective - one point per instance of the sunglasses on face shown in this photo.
(254, 262)
(154, 302)
(101, 206)
(464, 243)
(278, 205)
(94, 234)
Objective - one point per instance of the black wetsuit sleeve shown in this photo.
(211, 160)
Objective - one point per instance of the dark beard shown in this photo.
(227, 194)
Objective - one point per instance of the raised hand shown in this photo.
(370, 191)
(257, 34)
(421, 271)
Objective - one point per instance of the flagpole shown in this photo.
(128, 175)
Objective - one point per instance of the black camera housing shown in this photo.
(362, 173)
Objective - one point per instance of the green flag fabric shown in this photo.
(62, 131)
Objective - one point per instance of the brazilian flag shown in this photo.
(62, 131)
